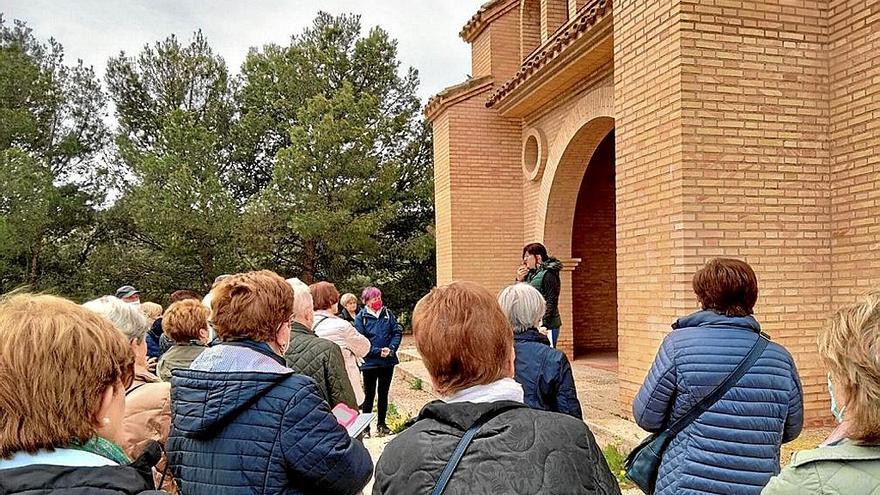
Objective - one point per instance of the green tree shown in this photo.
(333, 148)
(175, 109)
(52, 138)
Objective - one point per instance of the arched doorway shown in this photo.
(568, 226)
(593, 241)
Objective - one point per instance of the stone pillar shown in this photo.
(566, 336)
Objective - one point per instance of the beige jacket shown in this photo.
(354, 346)
(148, 417)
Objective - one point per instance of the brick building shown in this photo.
(638, 139)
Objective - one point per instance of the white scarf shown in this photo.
(503, 389)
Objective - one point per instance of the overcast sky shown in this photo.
(94, 30)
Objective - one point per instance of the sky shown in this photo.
(94, 30)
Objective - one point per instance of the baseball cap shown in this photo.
(126, 291)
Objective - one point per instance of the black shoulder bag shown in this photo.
(643, 463)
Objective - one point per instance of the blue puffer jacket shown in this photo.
(545, 375)
(236, 431)
(383, 331)
(733, 448)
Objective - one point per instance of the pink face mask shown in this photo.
(376, 305)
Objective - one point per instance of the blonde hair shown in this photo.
(56, 361)
(850, 350)
(151, 310)
(126, 318)
(184, 320)
(346, 298)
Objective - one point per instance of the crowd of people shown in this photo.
(239, 392)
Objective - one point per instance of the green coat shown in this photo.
(179, 356)
(842, 469)
(321, 360)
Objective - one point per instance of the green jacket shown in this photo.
(321, 360)
(545, 278)
(842, 469)
(179, 356)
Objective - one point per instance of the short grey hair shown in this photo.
(523, 305)
(126, 318)
(346, 298)
(303, 304)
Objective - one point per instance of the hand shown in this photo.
(151, 364)
(543, 330)
(385, 352)
(521, 273)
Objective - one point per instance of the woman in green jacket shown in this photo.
(849, 460)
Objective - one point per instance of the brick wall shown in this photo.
(594, 281)
(485, 180)
(554, 13)
(505, 45)
(652, 287)
(442, 198)
(755, 167)
(529, 27)
(481, 55)
(854, 55)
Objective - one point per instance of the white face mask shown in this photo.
(135, 303)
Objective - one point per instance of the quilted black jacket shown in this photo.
(521, 450)
(321, 360)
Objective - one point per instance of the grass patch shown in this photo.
(616, 459)
(396, 420)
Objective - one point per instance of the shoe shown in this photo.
(366, 433)
(383, 430)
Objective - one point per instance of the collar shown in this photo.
(505, 389)
(261, 347)
(297, 327)
(708, 318)
(530, 335)
(463, 415)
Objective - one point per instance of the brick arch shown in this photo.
(559, 191)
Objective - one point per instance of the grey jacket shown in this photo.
(520, 450)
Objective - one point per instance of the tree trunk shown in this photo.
(34, 270)
(310, 259)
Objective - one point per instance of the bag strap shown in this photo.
(459, 451)
(318, 323)
(728, 383)
(134, 388)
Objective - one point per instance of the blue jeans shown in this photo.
(554, 336)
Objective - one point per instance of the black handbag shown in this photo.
(643, 463)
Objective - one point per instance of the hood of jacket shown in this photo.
(708, 318)
(204, 402)
(551, 264)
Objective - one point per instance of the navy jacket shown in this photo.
(733, 448)
(152, 338)
(545, 375)
(383, 331)
(247, 432)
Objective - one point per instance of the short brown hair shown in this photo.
(463, 336)
(184, 320)
(727, 286)
(56, 361)
(849, 347)
(324, 295)
(251, 305)
(184, 294)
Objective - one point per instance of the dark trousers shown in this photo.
(382, 376)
